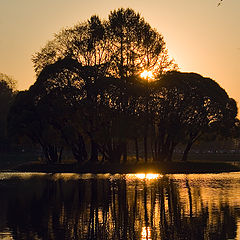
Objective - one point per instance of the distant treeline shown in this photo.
(89, 96)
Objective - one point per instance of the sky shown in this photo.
(199, 35)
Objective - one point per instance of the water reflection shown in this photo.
(73, 206)
(147, 176)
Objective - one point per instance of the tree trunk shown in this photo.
(60, 155)
(125, 152)
(45, 154)
(52, 154)
(137, 151)
(166, 148)
(145, 148)
(156, 150)
(79, 150)
(171, 150)
(94, 151)
(186, 151)
(115, 152)
(170, 154)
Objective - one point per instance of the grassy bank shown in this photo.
(163, 168)
(198, 163)
(13, 159)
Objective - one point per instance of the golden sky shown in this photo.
(200, 36)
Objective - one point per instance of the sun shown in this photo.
(147, 75)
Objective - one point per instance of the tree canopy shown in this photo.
(123, 45)
(89, 95)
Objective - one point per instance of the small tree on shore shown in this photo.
(7, 93)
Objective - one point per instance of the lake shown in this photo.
(120, 206)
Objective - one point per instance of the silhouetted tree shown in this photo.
(7, 93)
(118, 48)
(187, 105)
(90, 95)
(31, 120)
(125, 44)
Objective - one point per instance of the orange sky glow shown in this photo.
(200, 36)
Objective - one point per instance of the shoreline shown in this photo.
(161, 167)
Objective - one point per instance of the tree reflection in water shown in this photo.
(114, 207)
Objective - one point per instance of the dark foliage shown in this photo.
(7, 88)
(89, 96)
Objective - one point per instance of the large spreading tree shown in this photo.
(110, 53)
(90, 97)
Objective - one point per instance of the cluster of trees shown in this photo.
(89, 95)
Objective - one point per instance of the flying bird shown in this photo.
(220, 3)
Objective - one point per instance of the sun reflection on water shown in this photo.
(6, 234)
(20, 175)
(146, 233)
(147, 176)
(142, 206)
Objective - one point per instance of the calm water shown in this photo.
(152, 206)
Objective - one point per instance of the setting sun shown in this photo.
(148, 75)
